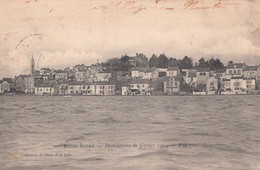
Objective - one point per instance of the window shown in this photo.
(230, 71)
(235, 72)
(238, 72)
(138, 86)
(203, 74)
(236, 84)
(143, 85)
(83, 87)
(211, 83)
(248, 81)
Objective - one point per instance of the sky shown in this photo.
(63, 33)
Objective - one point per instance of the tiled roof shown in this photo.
(1, 81)
(240, 77)
(48, 69)
(225, 80)
(45, 85)
(104, 72)
(139, 69)
(76, 83)
(149, 70)
(173, 69)
(191, 73)
(251, 68)
(235, 65)
(60, 71)
(140, 81)
(203, 69)
(103, 83)
(220, 70)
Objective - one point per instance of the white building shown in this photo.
(44, 89)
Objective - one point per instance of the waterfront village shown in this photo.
(138, 75)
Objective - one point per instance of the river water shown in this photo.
(130, 132)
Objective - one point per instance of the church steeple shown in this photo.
(32, 66)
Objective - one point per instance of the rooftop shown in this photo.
(45, 85)
(251, 68)
(220, 70)
(60, 71)
(203, 69)
(236, 65)
(240, 77)
(140, 81)
(173, 69)
(191, 73)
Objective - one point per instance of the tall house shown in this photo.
(32, 66)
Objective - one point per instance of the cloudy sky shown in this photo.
(62, 33)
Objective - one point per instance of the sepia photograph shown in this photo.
(129, 84)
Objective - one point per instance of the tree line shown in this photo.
(163, 61)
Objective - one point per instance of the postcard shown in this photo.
(129, 84)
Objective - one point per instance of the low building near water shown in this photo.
(252, 72)
(173, 85)
(25, 84)
(220, 73)
(125, 90)
(44, 89)
(61, 88)
(241, 84)
(104, 88)
(225, 85)
(138, 87)
(4, 86)
(91, 88)
(202, 75)
(213, 85)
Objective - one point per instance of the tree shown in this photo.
(153, 62)
(230, 62)
(173, 62)
(218, 64)
(124, 64)
(203, 63)
(186, 63)
(113, 62)
(162, 61)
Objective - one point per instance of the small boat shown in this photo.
(67, 96)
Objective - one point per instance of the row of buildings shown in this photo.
(235, 78)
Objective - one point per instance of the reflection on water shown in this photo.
(133, 132)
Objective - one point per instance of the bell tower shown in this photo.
(32, 66)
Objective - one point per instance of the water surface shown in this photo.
(202, 132)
